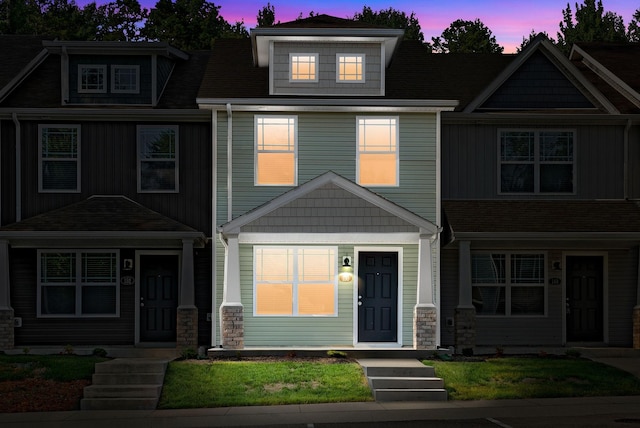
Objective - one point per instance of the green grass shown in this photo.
(61, 368)
(190, 384)
(532, 377)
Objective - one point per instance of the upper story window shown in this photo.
(350, 68)
(92, 78)
(508, 284)
(303, 67)
(157, 158)
(295, 281)
(275, 150)
(78, 283)
(537, 161)
(378, 153)
(125, 79)
(59, 158)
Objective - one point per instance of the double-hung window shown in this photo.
(350, 68)
(78, 283)
(295, 281)
(59, 158)
(303, 67)
(125, 79)
(508, 283)
(92, 78)
(536, 161)
(275, 150)
(157, 158)
(378, 152)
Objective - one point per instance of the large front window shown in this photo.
(59, 158)
(508, 283)
(157, 158)
(78, 283)
(275, 150)
(295, 281)
(377, 151)
(536, 161)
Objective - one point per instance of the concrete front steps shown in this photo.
(402, 380)
(125, 384)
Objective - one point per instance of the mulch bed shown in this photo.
(40, 395)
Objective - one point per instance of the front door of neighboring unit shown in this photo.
(377, 297)
(584, 298)
(158, 297)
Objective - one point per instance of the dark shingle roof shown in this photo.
(19, 51)
(183, 86)
(325, 21)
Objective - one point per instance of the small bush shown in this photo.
(99, 352)
(573, 353)
(189, 354)
(336, 354)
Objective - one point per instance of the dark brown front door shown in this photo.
(584, 298)
(158, 298)
(378, 297)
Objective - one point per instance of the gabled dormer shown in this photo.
(114, 73)
(325, 56)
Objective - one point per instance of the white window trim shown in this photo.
(176, 160)
(114, 68)
(41, 188)
(317, 64)
(102, 90)
(256, 151)
(537, 162)
(397, 121)
(78, 284)
(338, 76)
(508, 284)
(295, 248)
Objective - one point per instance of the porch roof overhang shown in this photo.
(422, 225)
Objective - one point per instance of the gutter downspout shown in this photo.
(214, 216)
(226, 253)
(16, 122)
(229, 162)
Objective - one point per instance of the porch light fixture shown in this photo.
(346, 270)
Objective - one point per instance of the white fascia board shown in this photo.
(327, 105)
(548, 236)
(101, 114)
(328, 238)
(90, 238)
(109, 48)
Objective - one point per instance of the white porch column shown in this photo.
(425, 311)
(636, 311)
(465, 312)
(7, 336)
(231, 310)
(187, 287)
(187, 316)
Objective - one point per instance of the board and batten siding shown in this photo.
(327, 142)
(622, 289)
(326, 84)
(470, 160)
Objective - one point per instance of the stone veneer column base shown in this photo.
(636, 327)
(465, 328)
(7, 336)
(187, 328)
(424, 327)
(232, 318)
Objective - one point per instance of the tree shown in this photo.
(119, 20)
(633, 31)
(266, 16)
(393, 19)
(590, 24)
(532, 35)
(466, 37)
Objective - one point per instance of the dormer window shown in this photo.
(125, 79)
(92, 78)
(350, 68)
(303, 67)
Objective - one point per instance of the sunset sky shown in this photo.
(508, 20)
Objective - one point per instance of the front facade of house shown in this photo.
(327, 189)
(538, 192)
(105, 214)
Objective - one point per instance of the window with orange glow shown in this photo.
(304, 67)
(350, 68)
(295, 281)
(275, 150)
(377, 151)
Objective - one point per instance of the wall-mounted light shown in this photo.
(346, 270)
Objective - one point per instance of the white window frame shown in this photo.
(256, 124)
(175, 159)
(293, 56)
(509, 284)
(396, 120)
(102, 69)
(78, 284)
(340, 57)
(296, 280)
(42, 159)
(537, 162)
(115, 69)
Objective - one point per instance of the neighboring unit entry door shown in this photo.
(377, 297)
(158, 297)
(584, 299)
